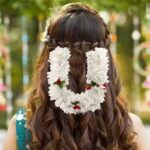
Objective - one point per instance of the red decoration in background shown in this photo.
(3, 107)
(148, 103)
(3, 87)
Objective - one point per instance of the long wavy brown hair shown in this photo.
(80, 28)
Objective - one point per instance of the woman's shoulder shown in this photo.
(141, 137)
(10, 139)
(136, 120)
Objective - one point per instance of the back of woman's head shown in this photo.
(81, 29)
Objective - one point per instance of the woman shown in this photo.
(76, 56)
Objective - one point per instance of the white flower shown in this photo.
(97, 62)
(58, 59)
(65, 99)
(55, 92)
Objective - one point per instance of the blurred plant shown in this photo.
(3, 59)
(3, 55)
(40, 7)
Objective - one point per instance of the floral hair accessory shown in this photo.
(96, 79)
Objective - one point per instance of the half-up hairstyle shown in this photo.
(80, 28)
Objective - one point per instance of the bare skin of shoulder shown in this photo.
(141, 138)
(10, 140)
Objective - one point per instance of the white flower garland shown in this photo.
(96, 79)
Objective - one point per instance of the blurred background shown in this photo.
(22, 23)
